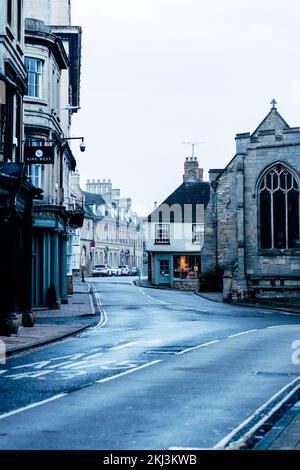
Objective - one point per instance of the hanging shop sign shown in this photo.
(39, 155)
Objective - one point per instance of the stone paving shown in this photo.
(51, 325)
(285, 435)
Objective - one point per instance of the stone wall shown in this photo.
(232, 243)
(191, 284)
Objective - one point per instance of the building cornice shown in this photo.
(37, 34)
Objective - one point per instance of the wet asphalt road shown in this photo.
(136, 382)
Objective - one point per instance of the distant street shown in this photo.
(161, 370)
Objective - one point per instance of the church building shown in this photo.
(252, 243)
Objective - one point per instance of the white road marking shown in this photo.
(134, 343)
(197, 347)
(103, 320)
(33, 365)
(126, 345)
(224, 442)
(283, 326)
(242, 333)
(33, 405)
(102, 310)
(152, 298)
(157, 300)
(108, 379)
(189, 448)
(2, 371)
(93, 311)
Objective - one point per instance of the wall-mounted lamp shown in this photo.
(82, 145)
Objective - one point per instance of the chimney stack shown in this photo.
(192, 170)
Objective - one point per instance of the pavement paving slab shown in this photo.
(52, 325)
(285, 435)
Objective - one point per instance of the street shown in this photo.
(161, 370)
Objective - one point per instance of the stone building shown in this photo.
(111, 232)
(252, 243)
(52, 59)
(16, 193)
(175, 232)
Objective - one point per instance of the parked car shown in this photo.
(101, 270)
(133, 271)
(124, 270)
(115, 271)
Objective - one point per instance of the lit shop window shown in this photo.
(186, 267)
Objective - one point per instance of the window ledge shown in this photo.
(277, 252)
(33, 100)
(162, 243)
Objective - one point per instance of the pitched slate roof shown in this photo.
(92, 198)
(187, 194)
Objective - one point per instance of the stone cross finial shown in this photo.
(274, 103)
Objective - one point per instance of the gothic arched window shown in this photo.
(279, 209)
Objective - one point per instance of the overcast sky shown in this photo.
(156, 73)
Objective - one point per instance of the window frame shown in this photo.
(9, 12)
(190, 262)
(35, 179)
(259, 191)
(19, 20)
(37, 84)
(197, 236)
(164, 267)
(160, 229)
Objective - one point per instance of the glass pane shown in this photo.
(269, 181)
(293, 218)
(275, 181)
(265, 220)
(164, 267)
(279, 220)
(283, 181)
(186, 267)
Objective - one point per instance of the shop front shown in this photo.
(177, 270)
(16, 196)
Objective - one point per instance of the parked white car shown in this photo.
(101, 270)
(125, 270)
(115, 271)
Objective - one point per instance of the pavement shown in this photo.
(285, 435)
(52, 325)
